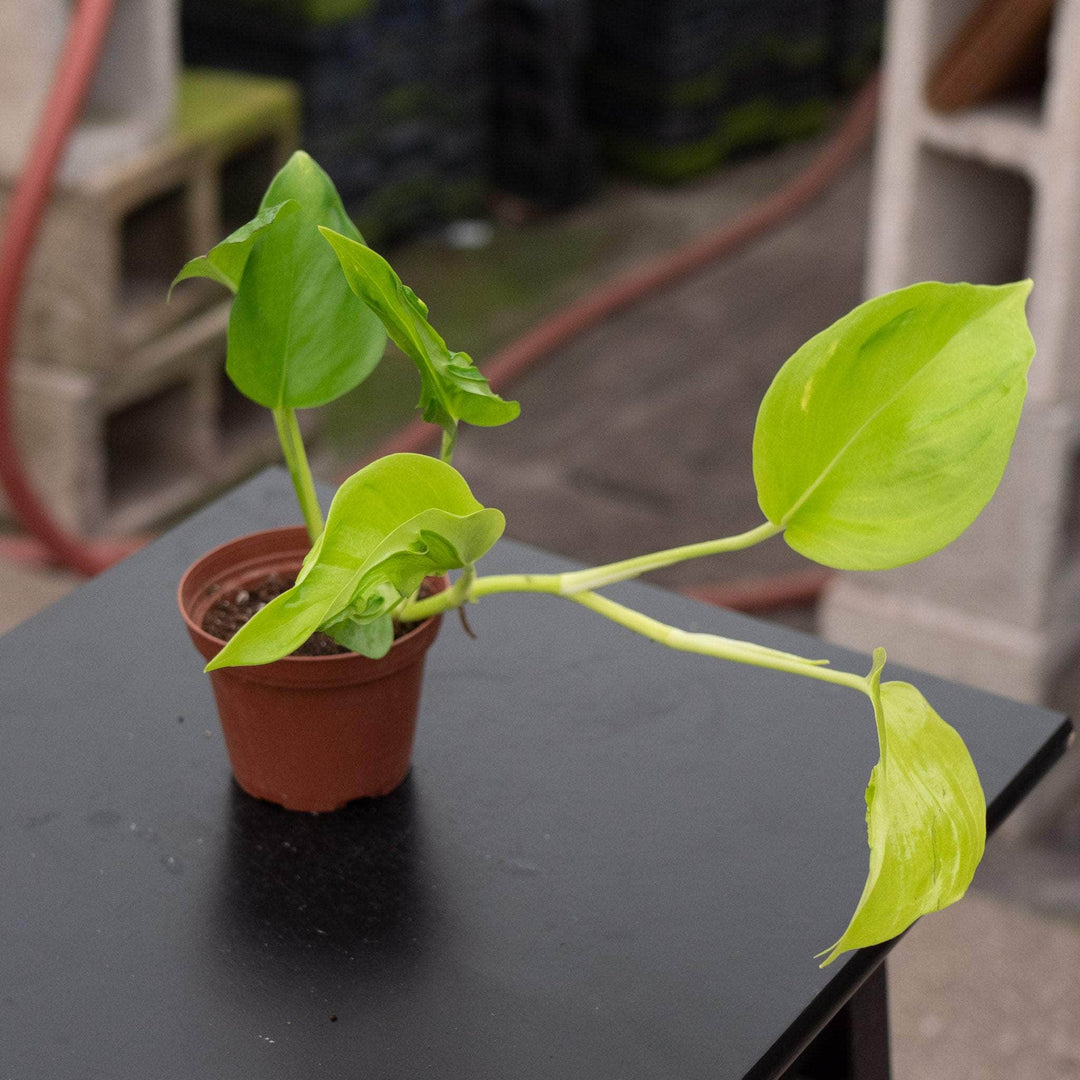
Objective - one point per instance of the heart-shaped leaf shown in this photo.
(396, 521)
(225, 262)
(298, 337)
(885, 435)
(925, 817)
(451, 389)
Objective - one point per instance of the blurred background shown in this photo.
(630, 214)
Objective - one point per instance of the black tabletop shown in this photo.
(610, 861)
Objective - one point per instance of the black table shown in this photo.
(610, 861)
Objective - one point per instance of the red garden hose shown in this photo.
(78, 61)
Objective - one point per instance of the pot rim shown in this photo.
(295, 541)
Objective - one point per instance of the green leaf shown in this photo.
(372, 639)
(452, 389)
(884, 436)
(925, 817)
(225, 262)
(298, 337)
(392, 524)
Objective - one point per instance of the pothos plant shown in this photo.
(878, 442)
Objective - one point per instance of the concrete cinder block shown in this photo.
(122, 451)
(111, 454)
(989, 653)
(988, 194)
(112, 241)
(131, 100)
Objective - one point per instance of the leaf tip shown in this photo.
(331, 236)
(830, 955)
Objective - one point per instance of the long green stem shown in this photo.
(449, 441)
(578, 586)
(722, 648)
(466, 591)
(292, 446)
(577, 581)
(598, 576)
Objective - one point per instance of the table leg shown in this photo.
(854, 1045)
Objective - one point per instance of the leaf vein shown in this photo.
(820, 479)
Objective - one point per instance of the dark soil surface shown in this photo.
(231, 610)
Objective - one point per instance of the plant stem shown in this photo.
(722, 648)
(578, 586)
(577, 581)
(598, 576)
(292, 446)
(449, 441)
(455, 596)
(468, 590)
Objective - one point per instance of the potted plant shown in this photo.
(878, 442)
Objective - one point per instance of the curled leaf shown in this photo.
(452, 388)
(925, 817)
(393, 523)
(225, 261)
(372, 637)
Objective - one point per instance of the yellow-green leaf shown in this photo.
(925, 817)
(452, 388)
(885, 435)
(396, 521)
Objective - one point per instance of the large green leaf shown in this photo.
(225, 262)
(390, 525)
(883, 437)
(452, 389)
(298, 337)
(925, 817)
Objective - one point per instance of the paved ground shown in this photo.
(638, 435)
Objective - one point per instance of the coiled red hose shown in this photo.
(78, 62)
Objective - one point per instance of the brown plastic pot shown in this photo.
(306, 732)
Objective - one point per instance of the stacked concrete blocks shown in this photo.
(122, 409)
(131, 100)
(990, 194)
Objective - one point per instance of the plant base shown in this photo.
(306, 732)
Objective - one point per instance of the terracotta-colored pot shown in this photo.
(306, 732)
